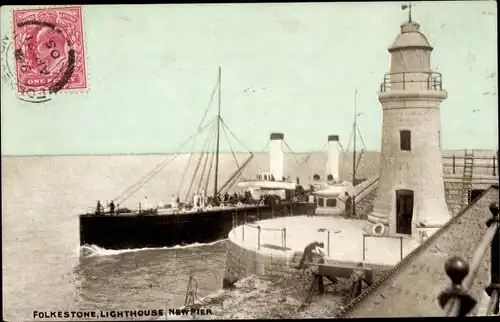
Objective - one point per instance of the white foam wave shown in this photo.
(94, 250)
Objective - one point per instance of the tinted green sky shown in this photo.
(152, 69)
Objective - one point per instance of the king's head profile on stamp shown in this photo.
(49, 51)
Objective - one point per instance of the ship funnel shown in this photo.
(276, 156)
(332, 166)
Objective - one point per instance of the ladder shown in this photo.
(467, 177)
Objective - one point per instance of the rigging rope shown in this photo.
(194, 142)
(197, 167)
(230, 147)
(227, 127)
(232, 180)
(207, 155)
(209, 173)
(361, 137)
(132, 189)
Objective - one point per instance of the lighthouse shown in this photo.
(410, 197)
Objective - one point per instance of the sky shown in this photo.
(290, 68)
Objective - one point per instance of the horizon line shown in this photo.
(199, 152)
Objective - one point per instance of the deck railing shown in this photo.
(486, 162)
(455, 300)
(260, 229)
(393, 237)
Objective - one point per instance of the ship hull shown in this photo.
(154, 230)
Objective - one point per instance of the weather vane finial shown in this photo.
(408, 6)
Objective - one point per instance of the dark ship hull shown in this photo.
(126, 231)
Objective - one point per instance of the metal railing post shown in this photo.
(453, 164)
(364, 237)
(494, 286)
(243, 232)
(328, 242)
(494, 166)
(401, 246)
(284, 238)
(258, 237)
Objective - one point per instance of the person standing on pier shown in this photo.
(348, 205)
(98, 209)
(309, 251)
(111, 208)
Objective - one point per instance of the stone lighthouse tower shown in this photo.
(411, 189)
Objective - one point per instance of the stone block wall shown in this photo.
(243, 262)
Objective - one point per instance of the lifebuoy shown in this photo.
(378, 229)
(209, 207)
(295, 199)
(240, 204)
(261, 203)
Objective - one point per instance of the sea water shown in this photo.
(44, 267)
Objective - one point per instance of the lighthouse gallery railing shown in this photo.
(431, 81)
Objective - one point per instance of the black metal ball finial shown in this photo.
(456, 269)
(494, 209)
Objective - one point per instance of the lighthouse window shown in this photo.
(329, 177)
(331, 202)
(405, 140)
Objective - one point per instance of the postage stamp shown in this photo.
(49, 50)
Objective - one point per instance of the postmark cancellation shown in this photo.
(49, 51)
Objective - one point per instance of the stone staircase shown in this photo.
(365, 205)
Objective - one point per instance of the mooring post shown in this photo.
(258, 237)
(494, 286)
(453, 164)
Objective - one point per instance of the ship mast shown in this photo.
(355, 127)
(218, 139)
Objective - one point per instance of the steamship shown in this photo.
(203, 219)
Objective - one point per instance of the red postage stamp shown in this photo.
(49, 49)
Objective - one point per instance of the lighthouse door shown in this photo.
(404, 211)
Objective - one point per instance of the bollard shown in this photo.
(258, 237)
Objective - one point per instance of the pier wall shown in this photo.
(244, 256)
(242, 262)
